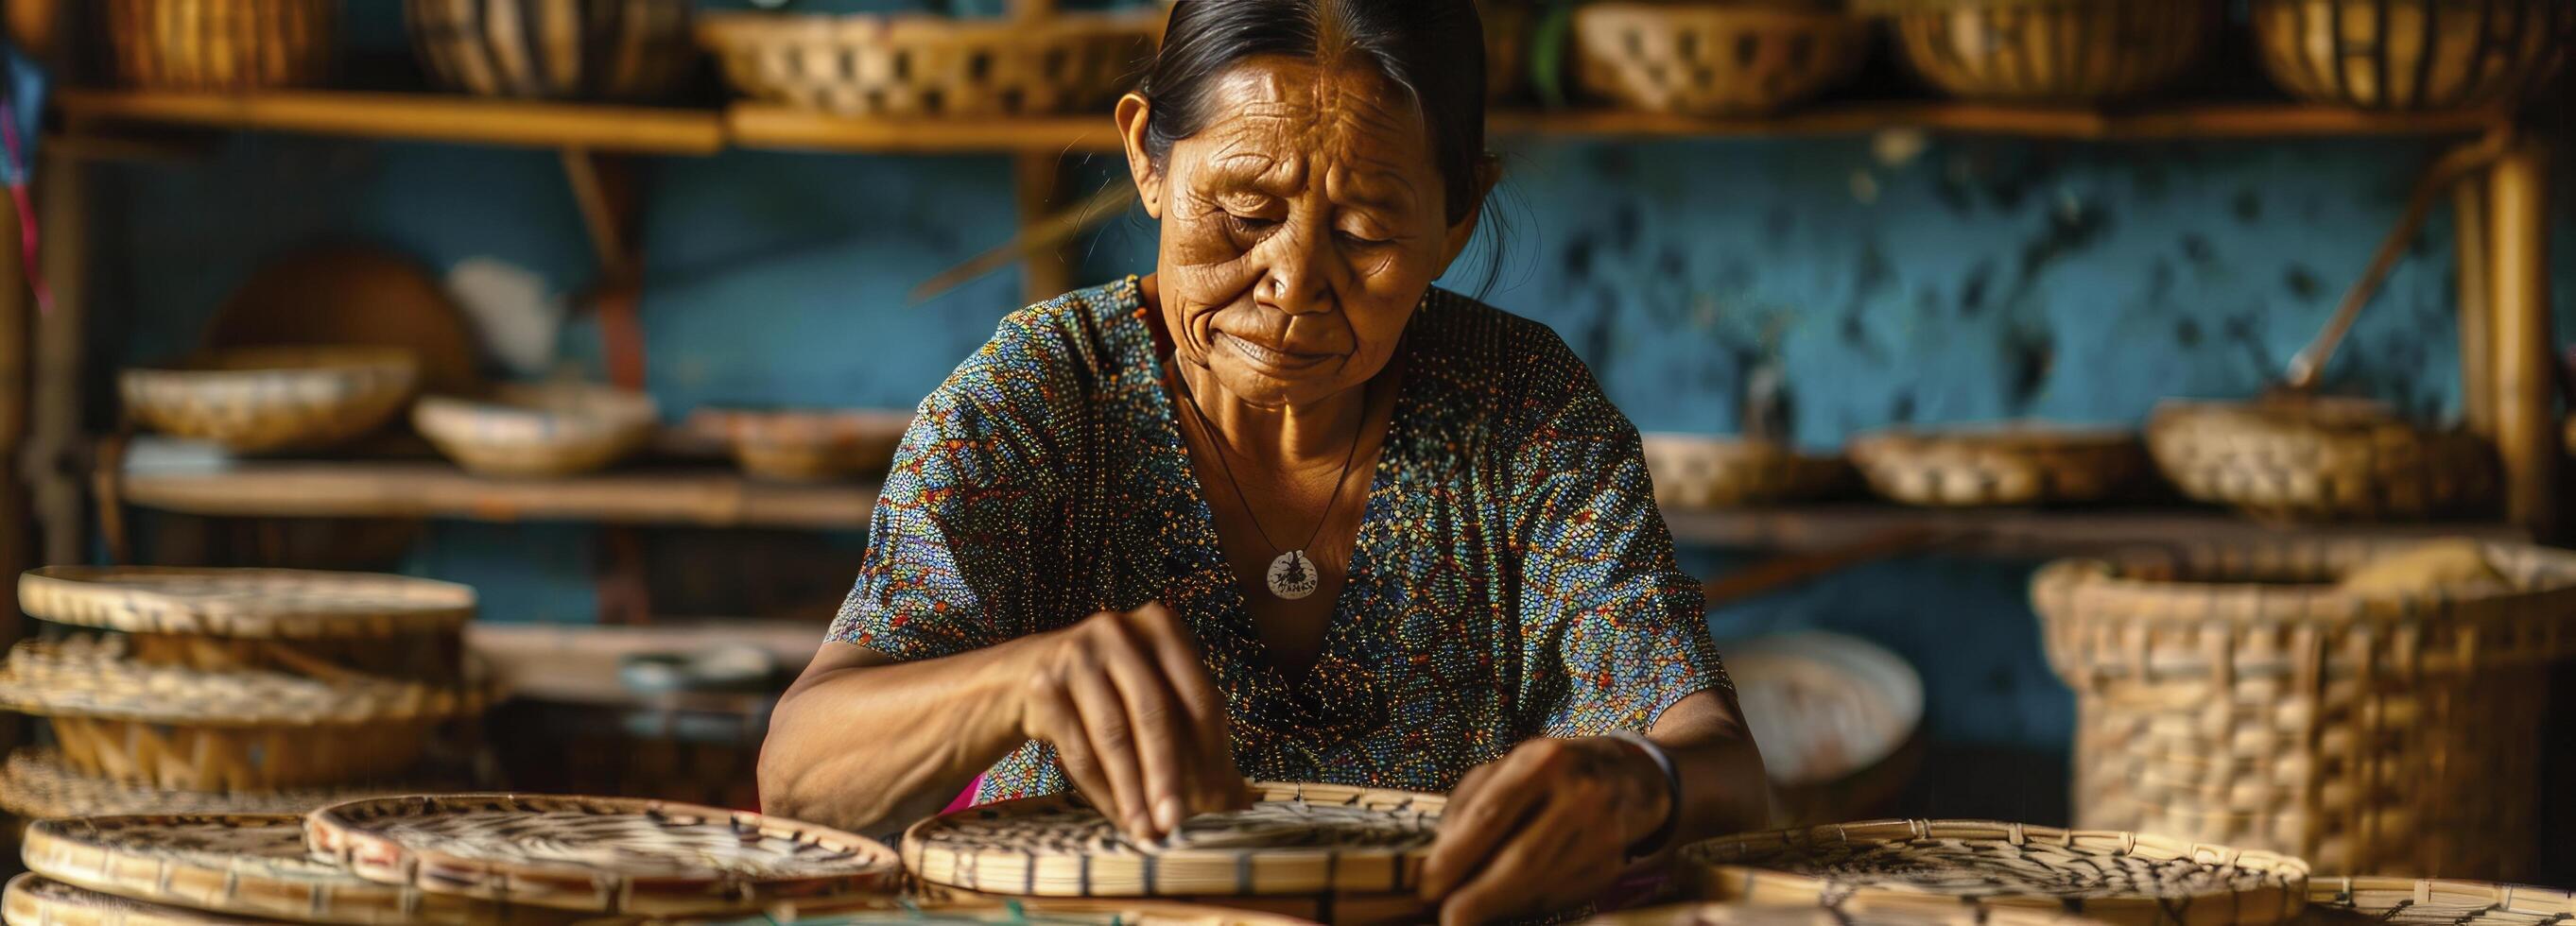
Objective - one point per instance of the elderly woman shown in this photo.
(1283, 510)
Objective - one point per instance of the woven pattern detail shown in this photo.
(256, 603)
(36, 784)
(1713, 59)
(2010, 465)
(1703, 472)
(91, 677)
(2319, 459)
(2410, 902)
(928, 66)
(555, 49)
(268, 399)
(2079, 52)
(214, 45)
(33, 900)
(2407, 54)
(2222, 699)
(538, 431)
(244, 865)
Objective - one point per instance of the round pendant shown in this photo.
(1292, 575)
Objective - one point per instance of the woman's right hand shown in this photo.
(1137, 723)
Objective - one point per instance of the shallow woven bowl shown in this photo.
(1695, 471)
(555, 429)
(1713, 58)
(554, 49)
(813, 446)
(931, 66)
(1832, 713)
(220, 45)
(2009, 463)
(257, 400)
(2051, 51)
(2409, 54)
(2319, 459)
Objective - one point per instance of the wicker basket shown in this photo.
(812, 446)
(2319, 458)
(555, 49)
(1836, 717)
(1693, 471)
(1853, 913)
(539, 431)
(2004, 464)
(1714, 58)
(2413, 54)
(2409, 902)
(222, 45)
(33, 900)
(2051, 51)
(246, 865)
(2223, 695)
(2113, 877)
(257, 400)
(931, 66)
(321, 624)
(37, 785)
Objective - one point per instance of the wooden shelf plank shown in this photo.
(760, 125)
(701, 497)
(412, 117)
(2017, 532)
(2207, 120)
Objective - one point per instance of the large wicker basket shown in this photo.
(219, 45)
(2224, 695)
(1714, 59)
(2051, 51)
(2319, 459)
(931, 66)
(555, 49)
(2413, 54)
(1695, 471)
(543, 430)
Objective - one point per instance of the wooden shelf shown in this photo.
(410, 117)
(427, 489)
(770, 126)
(2017, 532)
(2203, 120)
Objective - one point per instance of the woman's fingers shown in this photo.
(1472, 828)
(1052, 718)
(1215, 783)
(1159, 732)
(1113, 747)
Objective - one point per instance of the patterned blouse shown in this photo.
(1512, 577)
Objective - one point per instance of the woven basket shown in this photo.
(2409, 902)
(2113, 877)
(2051, 51)
(243, 865)
(1692, 471)
(931, 66)
(222, 45)
(1714, 58)
(812, 446)
(36, 784)
(33, 900)
(2320, 459)
(1855, 913)
(539, 431)
(257, 400)
(1833, 715)
(2223, 694)
(302, 622)
(1020, 912)
(555, 49)
(2413, 54)
(594, 854)
(2007, 464)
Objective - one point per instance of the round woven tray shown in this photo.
(1695, 471)
(1714, 59)
(2008, 463)
(2109, 876)
(1021, 911)
(555, 429)
(1925, 911)
(241, 865)
(2318, 458)
(605, 855)
(288, 603)
(931, 66)
(2411, 902)
(35, 784)
(1296, 839)
(256, 400)
(33, 900)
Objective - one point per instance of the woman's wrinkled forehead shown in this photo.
(1276, 117)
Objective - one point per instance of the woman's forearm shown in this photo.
(863, 743)
(1724, 789)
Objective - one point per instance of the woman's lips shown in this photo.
(1271, 358)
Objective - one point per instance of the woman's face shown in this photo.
(1300, 227)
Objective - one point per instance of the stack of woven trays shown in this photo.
(233, 690)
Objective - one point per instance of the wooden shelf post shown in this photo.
(2477, 337)
(54, 403)
(1039, 176)
(2527, 435)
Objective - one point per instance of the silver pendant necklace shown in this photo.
(1292, 574)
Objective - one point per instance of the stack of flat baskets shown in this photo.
(233, 690)
(2226, 694)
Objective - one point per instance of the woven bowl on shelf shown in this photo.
(2009, 463)
(1695, 471)
(555, 49)
(931, 66)
(2243, 693)
(1714, 58)
(2112, 877)
(538, 431)
(36, 784)
(246, 865)
(34, 900)
(2413, 54)
(2319, 459)
(2051, 51)
(811, 446)
(222, 45)
(299, 621)
(257, 400)
(2413, 902)
(1836, 717)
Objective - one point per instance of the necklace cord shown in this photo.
(1217, 441)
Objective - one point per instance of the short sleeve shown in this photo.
(969, 505)
(1615, 632)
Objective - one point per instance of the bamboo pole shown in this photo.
(1047, 274)
(2525, 382)
(2477, 338)
(54, 409)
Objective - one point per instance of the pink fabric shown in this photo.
(965, 798)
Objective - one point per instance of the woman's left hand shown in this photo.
(1545, 828)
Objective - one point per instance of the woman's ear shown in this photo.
(1133, 111)
(1489, 171)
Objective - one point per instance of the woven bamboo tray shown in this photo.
(2226, 693)
(1296, 839)
(297, 621)
(2010, 463)
(33, 900)
(2050, 51)
(555, 49)
(245, 865)
(1695, 471)
(256, 400)
(1714, 58)
(1928, 911)
(2410, 902)
(2405, 54)
(1020, 911)
(218, 45)
(932, 66)
(812, 446)
(592, 854)
(2115, 877)
(2319, 459)
(557, 429)
(35, 784)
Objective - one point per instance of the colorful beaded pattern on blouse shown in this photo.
(1511, 578)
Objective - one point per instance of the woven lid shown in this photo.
(243, 602)
(251, 865)
(35, 784)
(89, 677)
(606, 855)
(2111, 876)
(2441, 903)
(33, 900)
(1295, 839)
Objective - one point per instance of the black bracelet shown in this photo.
(1654, 842)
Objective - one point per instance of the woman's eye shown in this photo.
(1250, 223)
(1359, 240)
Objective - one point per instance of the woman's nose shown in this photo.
(1294, 282)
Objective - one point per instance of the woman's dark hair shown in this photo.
(1433, 49)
